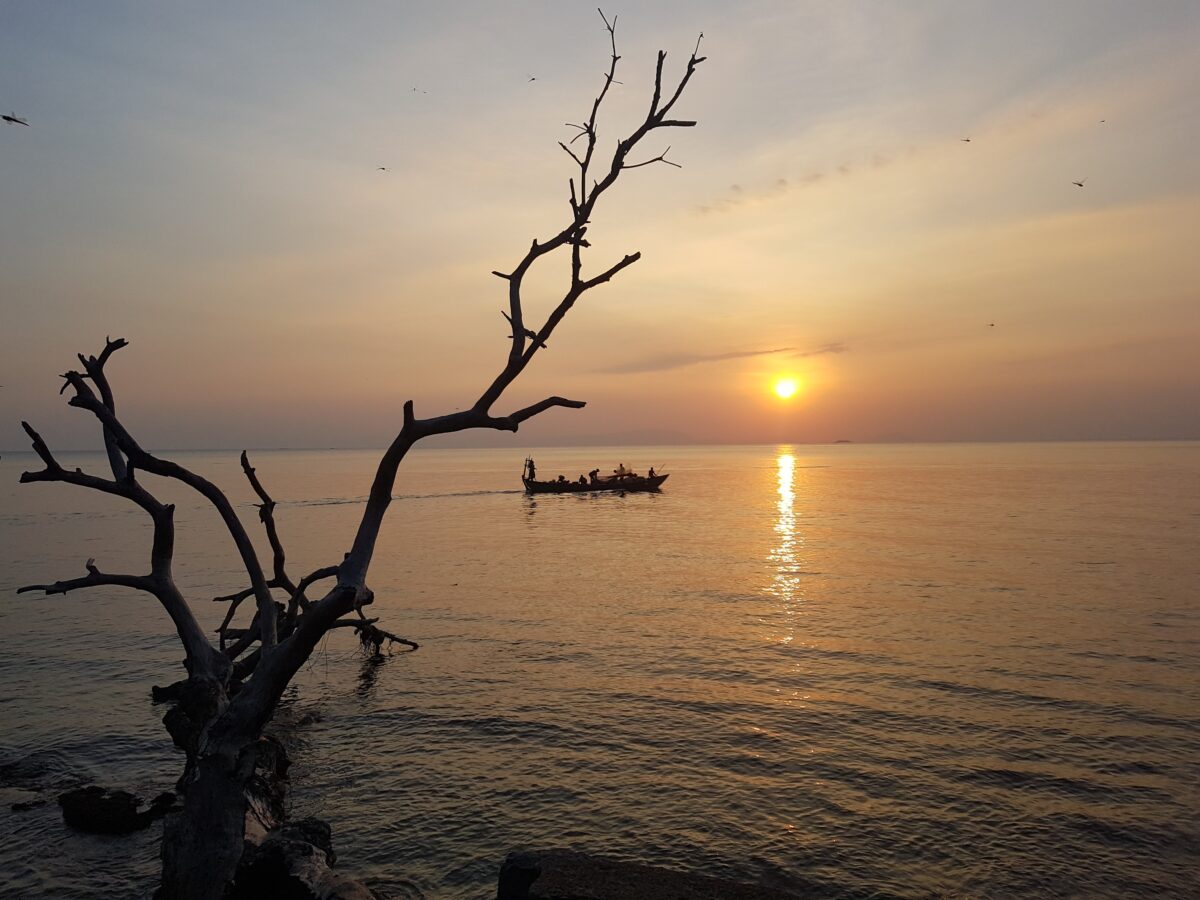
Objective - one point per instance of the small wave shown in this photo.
(1056, 785)
(1023, 698)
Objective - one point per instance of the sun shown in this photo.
(786, 387)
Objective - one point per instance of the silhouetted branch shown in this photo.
(582, 203)
(512, 420)
(571, 153)
(94, 367)
(85, 398)
(310, 579)
(371, 636)
(266, 514)
(94, 578)
(526, 342)
(236, 598)
(160, 581)
(662, 158)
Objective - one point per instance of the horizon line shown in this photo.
(580, 446)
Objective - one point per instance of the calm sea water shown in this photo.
(942, 670)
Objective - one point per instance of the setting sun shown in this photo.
(786, 387)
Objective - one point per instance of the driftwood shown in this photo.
(232, 686)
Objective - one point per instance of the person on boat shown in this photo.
(620, 471)
(594, 475)
(651, 475)
(562, 479)
(582, 480)
(532, 469)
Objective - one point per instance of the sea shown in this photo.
(912, 670)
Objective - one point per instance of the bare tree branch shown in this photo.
(94, 578)
(94, 367)
(525, 342)
(512, 420)
(582, 204)
(266, 514)
(571, 153)
(236, 598)
(200, 653)
(310, 579)
(662, 158)
(85, 398)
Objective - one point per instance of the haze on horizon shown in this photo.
(205, 182)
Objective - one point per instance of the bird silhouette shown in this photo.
(381, 169)
(14, 119)
(533, 78)
(1079, 183)
(965, 140)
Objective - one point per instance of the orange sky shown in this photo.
(204, 183)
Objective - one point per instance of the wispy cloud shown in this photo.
(824, 350)
(737, 195)
(668, 361)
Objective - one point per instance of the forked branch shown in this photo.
(585, 192)
(266, 515)
(85, 398)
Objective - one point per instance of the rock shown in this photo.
(568, 875)
(517, 873)
(292, 863)
(315, 832)
(100, 811)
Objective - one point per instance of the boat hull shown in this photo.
(618, 485)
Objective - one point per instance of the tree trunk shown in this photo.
(203, 842)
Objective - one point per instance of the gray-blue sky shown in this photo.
(202, 180)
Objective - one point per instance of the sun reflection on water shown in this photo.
(785, 582)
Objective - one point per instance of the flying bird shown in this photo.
(1079, 183)
(14, 119)
(533, 78)
(965, 140)
(381, 169)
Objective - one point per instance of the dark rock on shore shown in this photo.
(98, 810)
(517, 873)
(286, 860)
(293, 863)
(567, 875)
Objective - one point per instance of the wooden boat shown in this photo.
(622, 483)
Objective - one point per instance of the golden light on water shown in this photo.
(786, 387)
(784, 558)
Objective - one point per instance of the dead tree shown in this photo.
(232, 686)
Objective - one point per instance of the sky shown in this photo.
(203, 180)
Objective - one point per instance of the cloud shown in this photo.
(824, 349)
(667, 361)
(738, 195)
